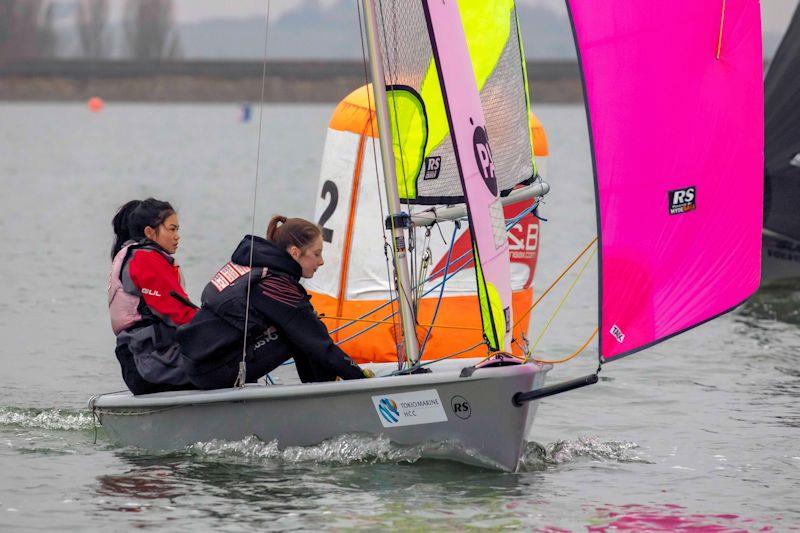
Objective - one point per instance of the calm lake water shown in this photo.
(698, 432)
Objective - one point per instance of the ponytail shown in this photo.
(285, 232)
(120, 225)
(134, 216)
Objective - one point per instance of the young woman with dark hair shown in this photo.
(146, 298)
(281, 323)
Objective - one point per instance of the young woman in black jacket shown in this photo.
(280, 320)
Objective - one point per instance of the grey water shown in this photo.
(700, 432)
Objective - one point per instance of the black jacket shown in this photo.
(281, 323)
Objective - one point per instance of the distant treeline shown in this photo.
(28, 29)
(208, 81)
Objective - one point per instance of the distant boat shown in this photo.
(675, 109)
(781, 259)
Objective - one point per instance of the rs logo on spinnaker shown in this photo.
(483, 157)
(389, 411)
(682, 201)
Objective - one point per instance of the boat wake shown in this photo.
(344, 449)
(55, 419)
(539, 457)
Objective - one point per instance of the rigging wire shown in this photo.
(467, 263)
(241, 378)
(553, 284)
(563, 299)
(411, 246)
(441, 291)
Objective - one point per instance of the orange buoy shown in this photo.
(95, 104)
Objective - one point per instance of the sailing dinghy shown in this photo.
(781, 257)
(674, 103)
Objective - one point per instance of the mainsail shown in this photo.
(782, 137)
(673, 93)
(425, 159)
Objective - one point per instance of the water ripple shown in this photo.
(60, 419)
(538, 457)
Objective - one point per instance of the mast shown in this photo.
(390, 179)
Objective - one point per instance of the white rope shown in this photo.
(242, 376)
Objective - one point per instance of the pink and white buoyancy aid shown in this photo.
(123, 305)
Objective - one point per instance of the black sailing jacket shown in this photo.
(281, 323)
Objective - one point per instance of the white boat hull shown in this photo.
(467, 419)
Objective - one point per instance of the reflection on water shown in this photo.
(668, 517)
(253, 481)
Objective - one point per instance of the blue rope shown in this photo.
(441, 291)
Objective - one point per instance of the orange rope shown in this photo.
(572, 355)
(563, 273)
(392, 322)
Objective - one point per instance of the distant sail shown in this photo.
(782, 142)
(677, 142)
(424, 156)
(354, 281)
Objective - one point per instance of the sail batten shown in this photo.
(676, 135)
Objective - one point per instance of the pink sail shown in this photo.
(473, 154)
(675, 105)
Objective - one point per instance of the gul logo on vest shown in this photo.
(409, 408)
(151, 292)
(483, 157)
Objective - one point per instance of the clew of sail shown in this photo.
(476, 169)
(674, 100)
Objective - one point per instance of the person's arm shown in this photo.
(284, 304)
(156, 280)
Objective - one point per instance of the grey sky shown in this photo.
(775, 13)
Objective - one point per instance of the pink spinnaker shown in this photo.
(468, 130)
(673, 128)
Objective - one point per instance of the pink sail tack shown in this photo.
(675, 105)
(474, 157)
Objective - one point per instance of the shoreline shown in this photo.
(228, 81)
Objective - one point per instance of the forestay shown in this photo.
(674, 100)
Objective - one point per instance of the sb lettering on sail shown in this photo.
(523, 243)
